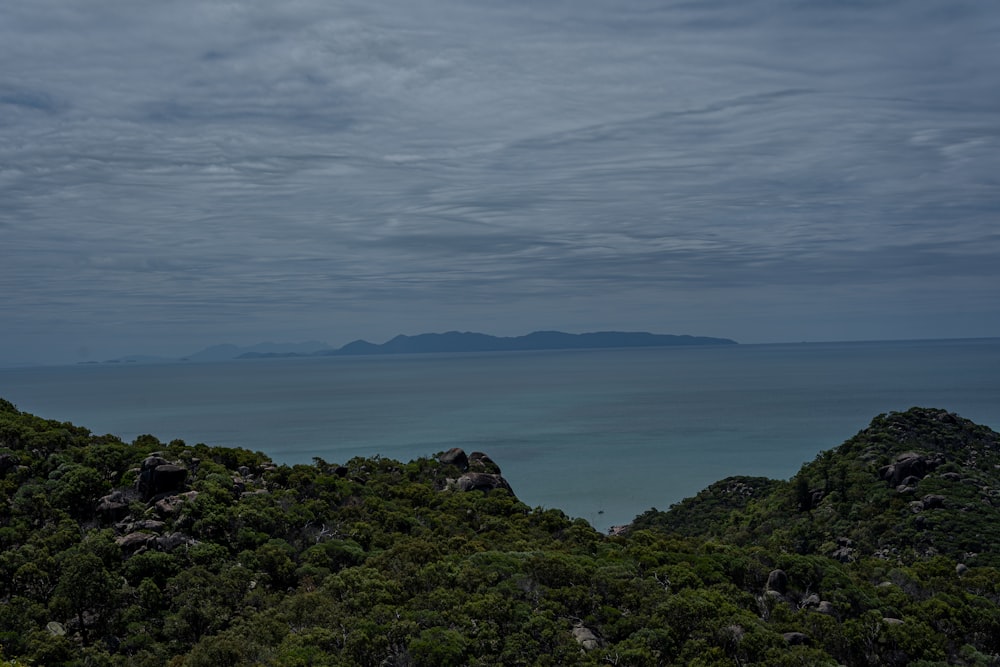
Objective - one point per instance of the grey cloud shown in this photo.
(31, 99)
(189, 162)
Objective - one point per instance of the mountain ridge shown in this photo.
(467, 341)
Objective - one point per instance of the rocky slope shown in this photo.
(913, 484)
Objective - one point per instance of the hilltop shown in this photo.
(911, 485)
(153, 553)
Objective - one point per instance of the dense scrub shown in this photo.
(912, 485)
(151, 553)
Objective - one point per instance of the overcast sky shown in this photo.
(180, 173)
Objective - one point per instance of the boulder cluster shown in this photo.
(909, 468)
(480, 472)
(162, 486)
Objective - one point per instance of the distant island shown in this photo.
(431, 343)
(464, 341)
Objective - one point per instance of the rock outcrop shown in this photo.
(932, 501)
(455, 457)
(480, 462)
(168, 507)
(113, 506)
(474, 462)
(481, 473)
(158, 476)
(479, 481)
(909, 468)
(585, 637)
(137, 542)
(777, 581)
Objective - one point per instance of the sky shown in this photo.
(182, 173)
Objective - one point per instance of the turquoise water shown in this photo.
(601, 434)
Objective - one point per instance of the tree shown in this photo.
(84, 586)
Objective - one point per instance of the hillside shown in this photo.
(152, 553)
(912, 485)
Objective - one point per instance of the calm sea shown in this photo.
(600, 434)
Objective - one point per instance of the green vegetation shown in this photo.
(881, 552)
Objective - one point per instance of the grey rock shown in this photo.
(480, 462)
(909, 464)
(168, 507)
(168, 477)
(158, 477)
(826, 607)
(843, 554)
(478, 481)
(932, 501)
(777, 581)
(810, 601)
(152, 461)
(151, 525)
(796, 638)
(113, 507)
(455, 457)
(585, 637)
(133, 542)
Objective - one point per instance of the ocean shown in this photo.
(601, 434)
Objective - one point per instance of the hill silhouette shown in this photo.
(464, 341)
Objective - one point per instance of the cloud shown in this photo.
(188, 162)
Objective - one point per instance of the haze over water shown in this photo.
(600, 434)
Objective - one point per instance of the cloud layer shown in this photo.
(180, 173)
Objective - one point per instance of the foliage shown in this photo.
(377, 562)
